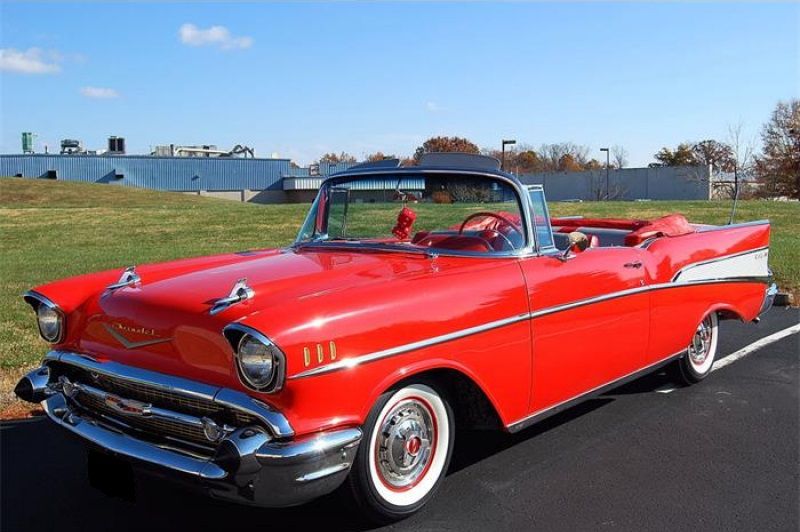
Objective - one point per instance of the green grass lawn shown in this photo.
(51, 229)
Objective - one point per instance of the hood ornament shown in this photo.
(240, 292)
(129, 277)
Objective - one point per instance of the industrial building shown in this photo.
(281, 181)
(237, 174)
(243, 179)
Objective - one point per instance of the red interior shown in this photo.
(484, 231)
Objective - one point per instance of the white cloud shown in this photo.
(30, 61)
(99, 93)
(433, 107)
(213, 36)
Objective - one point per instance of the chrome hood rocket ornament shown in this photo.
(129, 277)
(240, 292)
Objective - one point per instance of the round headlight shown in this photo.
(256, 361)
(50, 323)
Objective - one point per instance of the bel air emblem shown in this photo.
(127, 407)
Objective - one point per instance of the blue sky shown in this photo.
(303, 79)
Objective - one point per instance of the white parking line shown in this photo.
(743, 352)
(758, 344)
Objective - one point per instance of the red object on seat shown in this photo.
(670, 225)
(405, 219)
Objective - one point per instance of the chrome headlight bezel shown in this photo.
(239, 337)
(40, 305)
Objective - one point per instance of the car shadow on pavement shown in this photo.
(44, 483)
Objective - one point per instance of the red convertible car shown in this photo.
(415, 300)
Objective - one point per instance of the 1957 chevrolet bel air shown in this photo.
(415, 300)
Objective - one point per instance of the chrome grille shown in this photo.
(157, 397)
(157, 426)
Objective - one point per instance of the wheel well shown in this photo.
(728, 314)
(471, 407)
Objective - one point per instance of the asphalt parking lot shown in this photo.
(721, 455)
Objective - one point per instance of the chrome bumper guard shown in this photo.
(769, 298)
(251, 465)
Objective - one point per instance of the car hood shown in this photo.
(164, 322)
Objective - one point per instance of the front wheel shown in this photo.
(696, 364)
(405, 452)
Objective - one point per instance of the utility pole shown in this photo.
(503, 151)
(608, 164)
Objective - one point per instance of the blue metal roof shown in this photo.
(183, 174)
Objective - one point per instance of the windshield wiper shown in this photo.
(322, 239)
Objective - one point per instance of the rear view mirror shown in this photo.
(578, 242)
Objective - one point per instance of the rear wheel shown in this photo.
(696, 364)
(405, 452)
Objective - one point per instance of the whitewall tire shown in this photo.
(696, 364)
(405, 452)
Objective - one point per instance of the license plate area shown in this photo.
(111, 475)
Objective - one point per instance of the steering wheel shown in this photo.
(497, 216)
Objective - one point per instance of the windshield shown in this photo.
(449, 212)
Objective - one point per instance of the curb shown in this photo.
(783, 299)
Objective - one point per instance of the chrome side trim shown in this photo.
(371, 357)
(363, 359)
(711, 228)
(641, 289)
(544, 413)
(274, 420)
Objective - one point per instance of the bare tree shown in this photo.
(742, 156)
(597, 188)
(619, 155)
(555, 156)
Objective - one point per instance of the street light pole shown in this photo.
(608, 164)
(503, 143)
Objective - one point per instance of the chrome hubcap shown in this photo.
(405, 444)
(701, 342)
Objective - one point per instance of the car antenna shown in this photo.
(735, 199)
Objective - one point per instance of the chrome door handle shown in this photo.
(637, 264)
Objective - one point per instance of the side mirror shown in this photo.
(578, 242)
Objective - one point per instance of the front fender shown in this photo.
(419, 368)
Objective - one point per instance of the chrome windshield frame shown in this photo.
(528, 249)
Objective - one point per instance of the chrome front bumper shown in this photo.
(250, 465)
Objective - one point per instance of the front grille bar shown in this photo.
(237, 401)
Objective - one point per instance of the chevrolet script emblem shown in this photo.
(117, 329)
